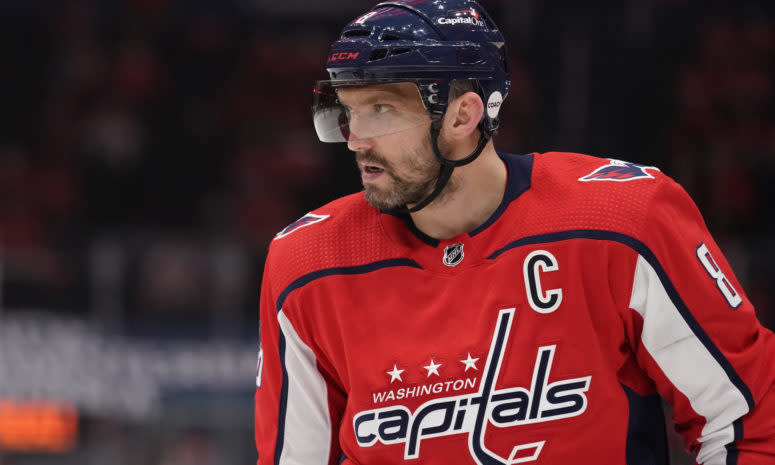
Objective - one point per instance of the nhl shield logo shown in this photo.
(453, 254)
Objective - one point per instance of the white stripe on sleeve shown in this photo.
(307, 423)
(687, 363)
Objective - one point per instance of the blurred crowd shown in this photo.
(164, 130)
(161, 144)
(150, 149)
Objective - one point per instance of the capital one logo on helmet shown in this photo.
(472, 413)
(455, 17)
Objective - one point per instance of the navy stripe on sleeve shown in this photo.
(278, 448)
(732, 450)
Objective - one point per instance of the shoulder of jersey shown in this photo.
(346, 232)
(576, 191)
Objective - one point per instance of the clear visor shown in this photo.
(344, 113)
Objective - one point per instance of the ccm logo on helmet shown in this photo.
(338, 56)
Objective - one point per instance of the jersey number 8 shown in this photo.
(723, 284)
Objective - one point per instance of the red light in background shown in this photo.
(37, 426)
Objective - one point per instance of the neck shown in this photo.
(480, 188)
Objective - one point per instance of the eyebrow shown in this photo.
(380, 96)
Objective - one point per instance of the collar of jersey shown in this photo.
(519, 170)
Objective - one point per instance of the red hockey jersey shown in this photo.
(546, 336)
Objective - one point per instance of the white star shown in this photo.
(433, 368)
(470, 362)
(395, 374)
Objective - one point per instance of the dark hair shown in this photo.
(460, 87)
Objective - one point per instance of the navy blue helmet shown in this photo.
(431, 43)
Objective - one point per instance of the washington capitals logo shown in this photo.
(474, 413)
(619, 171)
(306, 220)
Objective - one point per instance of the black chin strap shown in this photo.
(447, 165)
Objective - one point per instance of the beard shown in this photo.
(422, 171)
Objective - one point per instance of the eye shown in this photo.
(380, 108)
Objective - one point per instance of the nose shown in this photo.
(357, 144)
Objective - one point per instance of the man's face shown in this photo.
(389, 133)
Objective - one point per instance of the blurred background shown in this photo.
(150, 149)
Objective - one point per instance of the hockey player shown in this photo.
(478, 307)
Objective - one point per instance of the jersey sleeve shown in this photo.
(699, 339)
(297, 409)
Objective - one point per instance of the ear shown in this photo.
(463, 116)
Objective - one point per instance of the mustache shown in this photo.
(369, 156)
